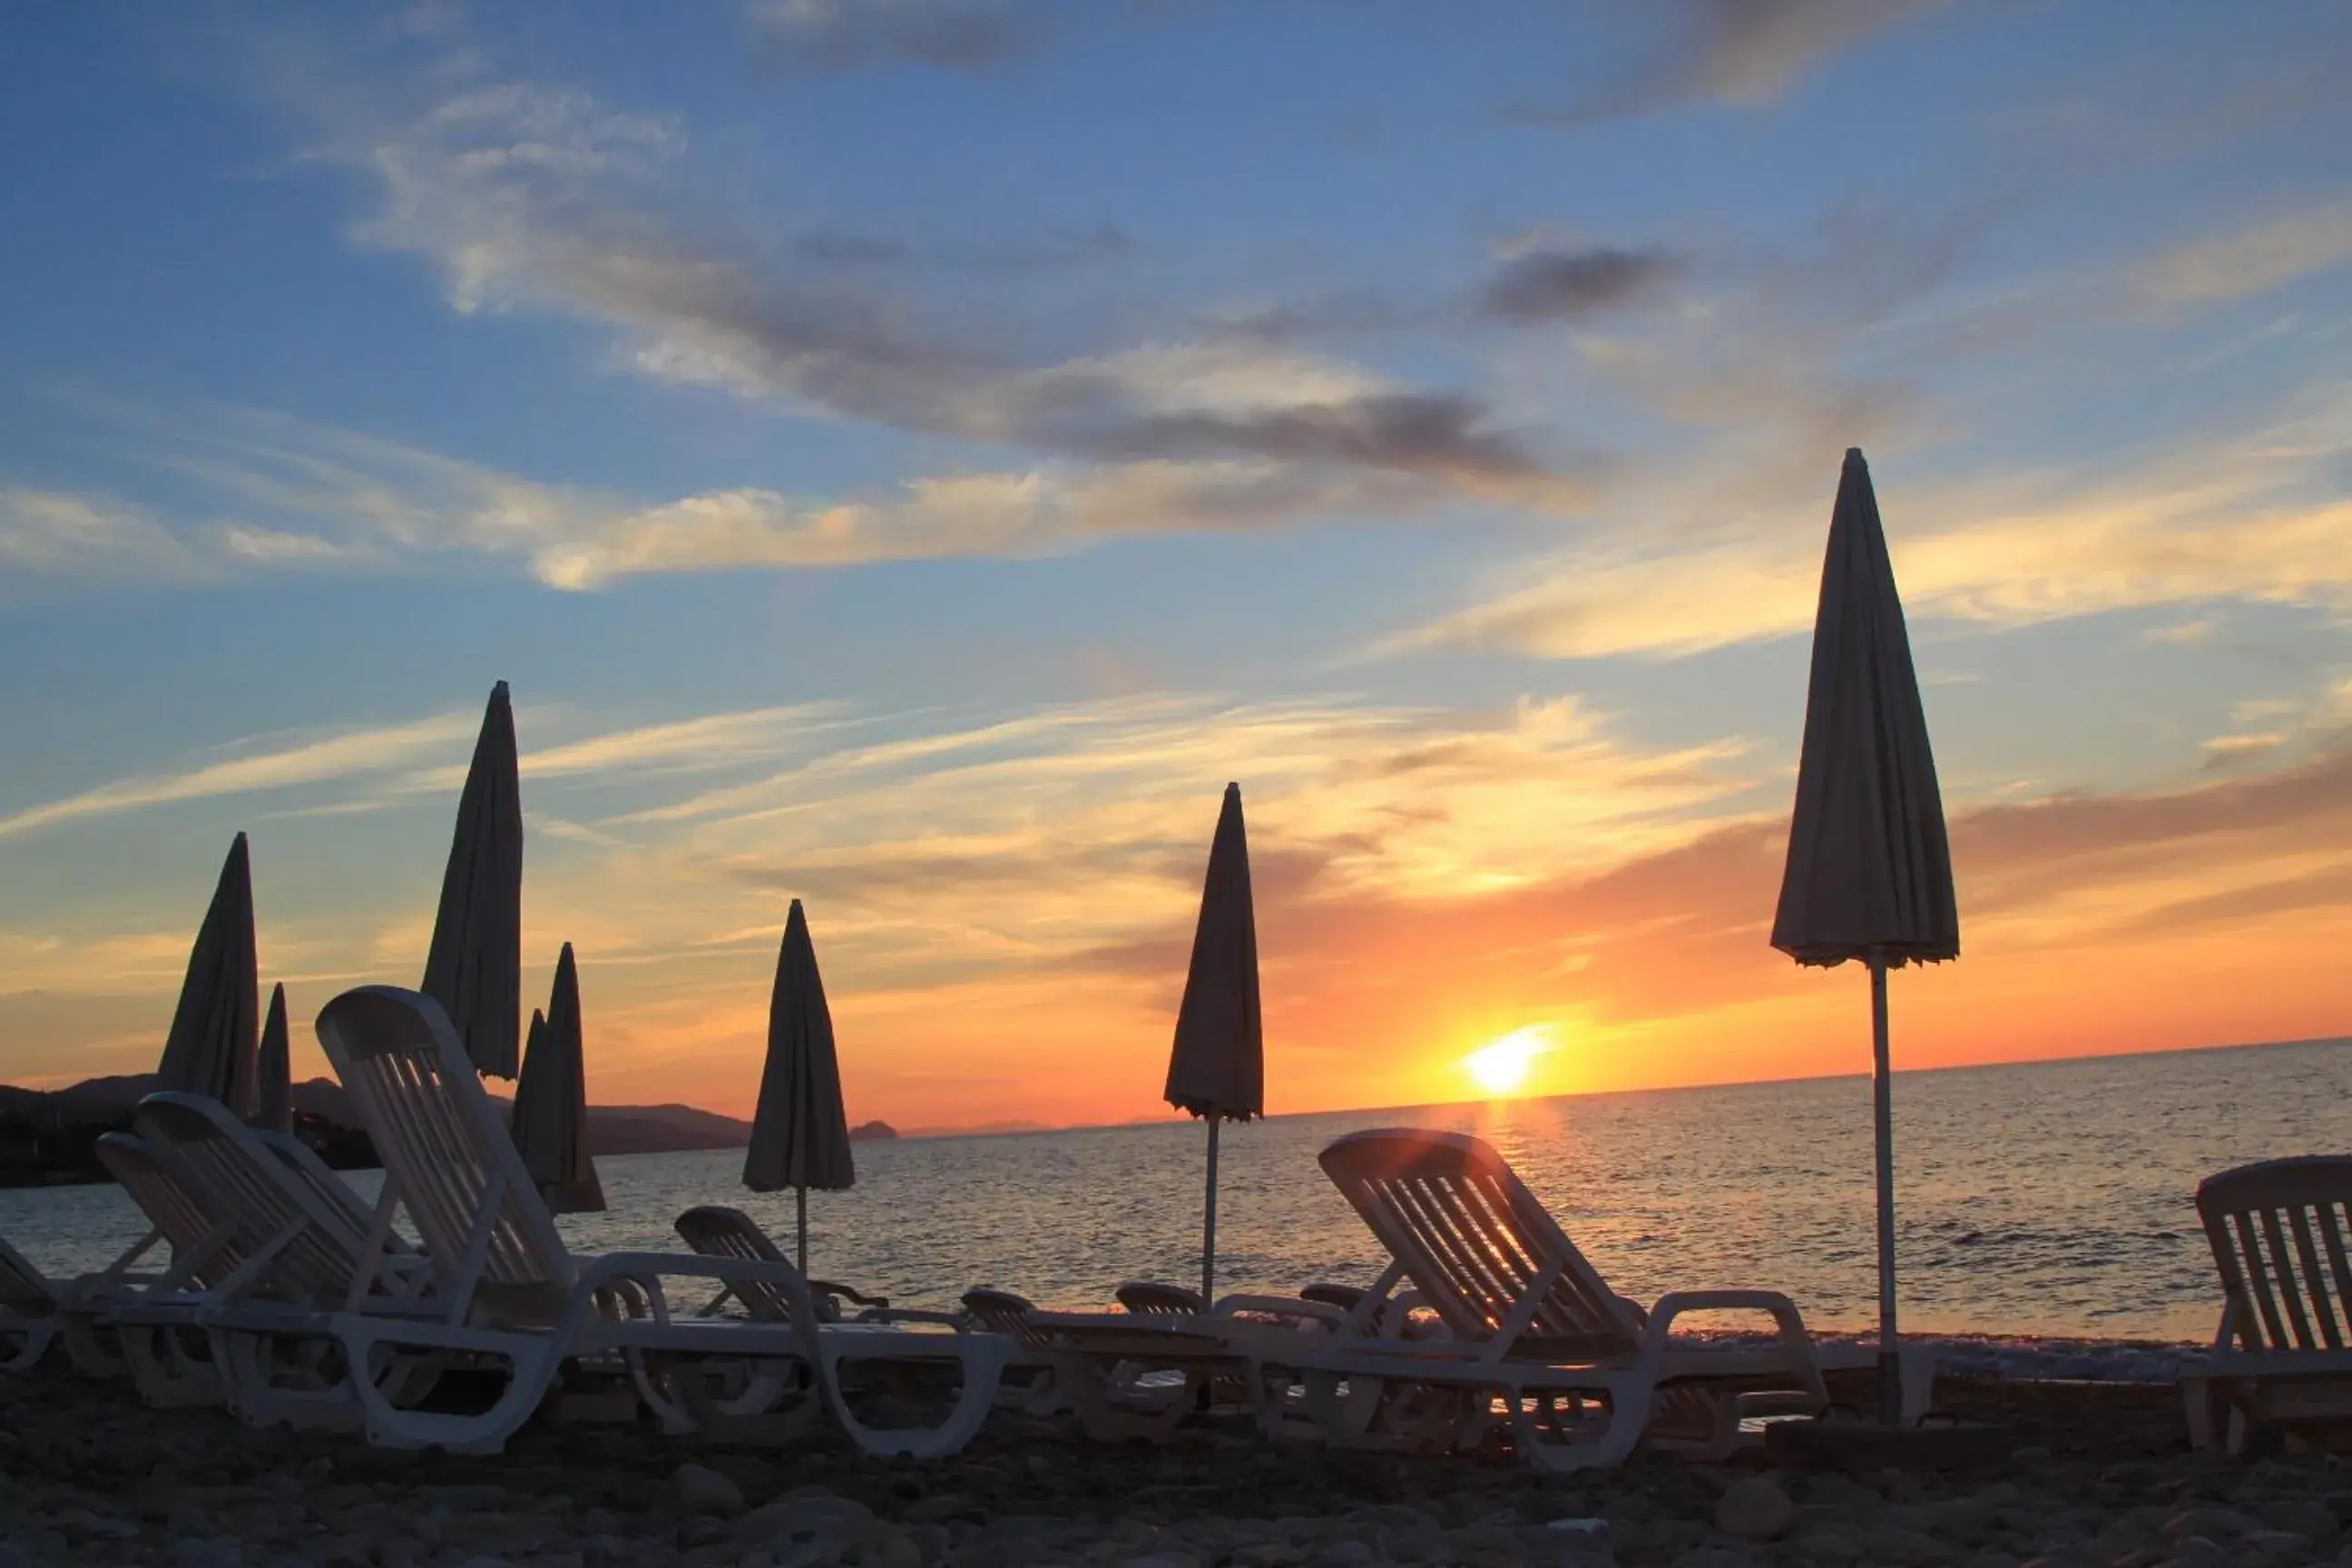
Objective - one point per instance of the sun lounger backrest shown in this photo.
(1002, 1312)
(322, 1183)
(185, 1219)
(22, 1287)
(715, 1230)
(319, 1247)
(443, 1144)
(1473, 1240)
(2280, 1231)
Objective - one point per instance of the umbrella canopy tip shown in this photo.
(1853, 458)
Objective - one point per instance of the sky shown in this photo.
(909, 455)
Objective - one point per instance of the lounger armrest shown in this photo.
(960, 1322)
(645, 1270)
(1291, 1309)
(1675, 1303)
(856, 1298)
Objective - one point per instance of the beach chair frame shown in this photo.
(2280, 1231)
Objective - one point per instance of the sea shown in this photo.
(2052, 1199)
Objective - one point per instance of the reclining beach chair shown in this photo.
(31, 1315)
(770, 1406)
(510, 1293)
(168, 1353)
(1137, 1374)
(2281, 1234)
(715, 1230)
(298, 1231)
(1584, 1374)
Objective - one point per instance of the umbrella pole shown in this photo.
(1890, 1363)
(1209, 1223)
(801, 1195)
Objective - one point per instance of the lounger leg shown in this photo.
(94, 1352)
(1629, 1414)
(531, 1374)
(2196, 1394)
(981, 1358)
(35, 1344)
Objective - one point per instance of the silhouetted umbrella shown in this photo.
(549, 1121)
(210, 1050)
(274, 1070)
(1870, 869)
(1217, 1068)
(800, 1135)
(474, 967)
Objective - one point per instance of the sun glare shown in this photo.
(1500, 1066)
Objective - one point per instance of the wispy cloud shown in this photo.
(2239, 263)
(844, 35)
(1553, 285)
(533, 197)
(1740, 53)
(314, 498)
(282, 767)
(2239, 515)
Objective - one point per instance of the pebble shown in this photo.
(703, 1490)
(1754, 1508)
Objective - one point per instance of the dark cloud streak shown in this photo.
(1563, 285)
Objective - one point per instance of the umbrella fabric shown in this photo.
(274, 1074)
(210, 1050)
(800, 1135)
(549, 1122)
(1217, 1066)
(1869, 871)
(474, 968)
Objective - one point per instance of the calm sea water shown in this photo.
(2051, 1198)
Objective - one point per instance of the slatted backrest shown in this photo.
(1164, 1300)
(715, 1230)
(1479, 1247)
(2282, 1232)
(447, 1155)
(188, 1218)
(22, 1288)
(322, 1182)
(318, 1244)
(1002, 1312)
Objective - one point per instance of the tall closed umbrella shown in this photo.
(1217, 1068)
(274, 1071)
(1869, 875)
(549, 1121)
(210, 1050)
(474, 967)
(800, 1134)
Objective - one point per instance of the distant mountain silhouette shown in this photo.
(38, 1127)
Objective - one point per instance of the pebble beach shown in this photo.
(2101, 1476)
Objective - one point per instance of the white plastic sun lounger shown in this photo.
(31, 1314)
(300, 1234)
(156, 1326)
(2282, 1236)
(510, 1292)
(1586, 1374)
(1098, 1362)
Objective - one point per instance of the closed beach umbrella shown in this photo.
(800, 1135)
(274, 1073)
(1869, 876)
(549, 1122)
(1217, 1068)
(211, 1047)
(474, 967)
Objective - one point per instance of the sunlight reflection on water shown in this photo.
(2052, 1198)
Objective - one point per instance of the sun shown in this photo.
(1500, 1066)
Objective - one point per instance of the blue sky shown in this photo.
(911, 452)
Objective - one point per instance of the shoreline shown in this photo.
(2100, 1475)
